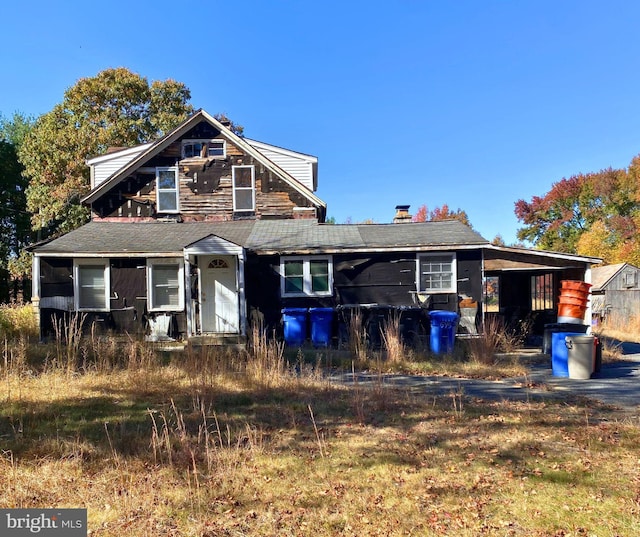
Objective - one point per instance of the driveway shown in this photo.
(617, 384)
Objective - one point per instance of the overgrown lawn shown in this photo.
(210, 444)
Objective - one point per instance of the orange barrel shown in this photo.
(574, 293)
(575, 285)
(569, 310)
(572, 301)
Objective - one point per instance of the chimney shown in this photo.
(402, 214)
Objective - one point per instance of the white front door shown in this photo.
(219, 294)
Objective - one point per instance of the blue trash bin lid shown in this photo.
(442, 315)
(294, 310)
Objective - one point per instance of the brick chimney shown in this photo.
(402, 214)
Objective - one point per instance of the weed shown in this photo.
(392, 339)
(357, 335)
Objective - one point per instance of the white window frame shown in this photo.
(176, 190)
(252, 188)
(78, 265)
(453, 288)
(630, 279)
(306, 275)
(193, 141)
(151, 300)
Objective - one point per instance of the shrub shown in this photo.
(18, 321)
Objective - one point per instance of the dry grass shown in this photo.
(210, 442)
(395, 349)
(219, 452)
(621, 328)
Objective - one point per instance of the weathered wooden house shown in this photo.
(615, 291)
(201, 232)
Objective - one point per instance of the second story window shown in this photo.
(244, 188)
(167, 190)
(203, 148)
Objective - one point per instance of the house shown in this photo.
(202, 232)
(615, 291)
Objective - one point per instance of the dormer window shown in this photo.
(203, 148)
(167, 189)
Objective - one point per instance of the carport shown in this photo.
(523, 284)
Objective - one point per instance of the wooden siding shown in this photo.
(205, 188)
(376, 279)
(622, 296)
(104, 170)
(128, 292)
(299, 167)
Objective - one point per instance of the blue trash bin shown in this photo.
(560, 353)
(444, 325)
(321, 322)
(295, 325)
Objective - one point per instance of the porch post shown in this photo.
(187, 291)
(241, 294)
(35, 290)
(588, 314)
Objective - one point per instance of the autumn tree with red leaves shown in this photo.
(594, 214)
(440, 213)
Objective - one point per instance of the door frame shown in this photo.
(212, 246)
(204, 261)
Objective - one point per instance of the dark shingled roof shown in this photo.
(288, 236)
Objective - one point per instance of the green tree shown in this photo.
(593, 214)
(15, 226)
(116, 108)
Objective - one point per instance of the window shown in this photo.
(203, 148)
(542, 292)
(630, 279)
(492, 293)
(244, 179)
(437, 273)
(167, 190)
(91, 279)
(165, 285)
(306, 276)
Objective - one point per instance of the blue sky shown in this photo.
(475, 104)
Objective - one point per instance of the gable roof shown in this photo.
(260, 236)
(601, 276)
(157, 147)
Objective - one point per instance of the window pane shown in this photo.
(294, 284)
(91, 287)
(436, 273)
(166, 286)
(319, 270)
(242, 177)
(187, 150)
(166, 179)
(293, 268)
(294, 279)
(244, 200)
(167, 201)
(216, 148)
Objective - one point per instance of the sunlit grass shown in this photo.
(207, 446)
